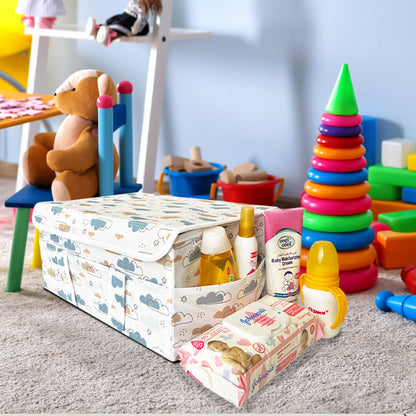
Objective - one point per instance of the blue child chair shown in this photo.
(110, 118)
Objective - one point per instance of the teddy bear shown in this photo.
(67, 160)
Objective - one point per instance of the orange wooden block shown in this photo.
(395, 250)
(379, 206)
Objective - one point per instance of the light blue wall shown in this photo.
(255, 91)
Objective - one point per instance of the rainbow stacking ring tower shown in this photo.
(336, 200)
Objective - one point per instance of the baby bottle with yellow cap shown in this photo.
(319, 287)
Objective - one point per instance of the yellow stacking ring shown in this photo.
(339, 154)
(337, 192)
(348, 260)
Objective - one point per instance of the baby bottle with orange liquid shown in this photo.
(217, 259)
(319, 287)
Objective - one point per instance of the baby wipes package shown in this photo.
(238, 357)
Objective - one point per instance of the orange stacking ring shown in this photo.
(336, 192)
(339, 154)
(348, 260)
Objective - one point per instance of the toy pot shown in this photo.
(191, 184)
(259, 193)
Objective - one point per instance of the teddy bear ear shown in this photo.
(103, 83)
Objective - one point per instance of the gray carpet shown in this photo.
(56, 359)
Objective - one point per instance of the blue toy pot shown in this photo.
(191, 184)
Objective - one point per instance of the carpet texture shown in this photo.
(55, 358)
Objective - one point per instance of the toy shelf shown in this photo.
(75, 32)
(160, 36)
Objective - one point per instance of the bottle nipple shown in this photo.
(322, 268)
(246, 228)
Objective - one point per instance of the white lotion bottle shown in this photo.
(245, 244)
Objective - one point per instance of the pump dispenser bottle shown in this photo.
(319, 287)
(245, 244)
(217, 259)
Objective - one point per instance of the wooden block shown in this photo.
(400, 221)
(196, 154)
(379, 206)
(395, 250)
(174, 163)
(245, 167)
(257, 175)
(195, 166)
(227, 176)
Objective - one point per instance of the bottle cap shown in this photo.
(246, 228)
(215, 241)
(322, 269)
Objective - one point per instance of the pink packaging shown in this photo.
(238, 357)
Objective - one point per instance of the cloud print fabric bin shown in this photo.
(132, 261)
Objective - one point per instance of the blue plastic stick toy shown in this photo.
(404, 305)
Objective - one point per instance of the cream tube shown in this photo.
(283, 237)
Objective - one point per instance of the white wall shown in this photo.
(255, 91)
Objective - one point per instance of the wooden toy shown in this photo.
(335, 192)
(409, 195)
(227, 176)
(245, 167)
(256, 175)
(395, 152)
(196, 164)
(348, 260)
(408, 275)
(337, 178)
(174, 163)
(396, 249)
(340, 142)
(379, 206)
(337, 165)
(404, 305)
(335, 207)
(339, 154)
(400, 221)
(385, 192)
(337, 223)
(392, 176)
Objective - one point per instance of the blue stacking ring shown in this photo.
(340, 131)
(353, 240)
(337, 178)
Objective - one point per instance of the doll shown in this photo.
(132, 22)
(40, 13)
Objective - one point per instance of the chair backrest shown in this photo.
(111, 118)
